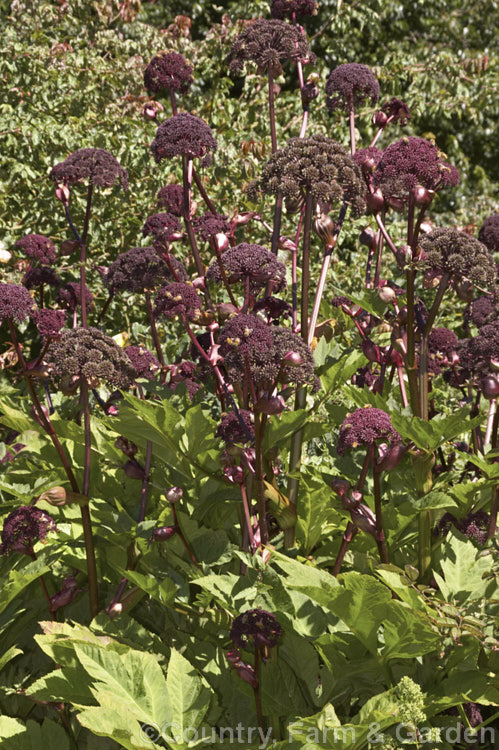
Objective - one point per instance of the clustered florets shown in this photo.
(183, 135)
(409, 162)
(476, 353)
(286, 8)
(163, 227)
(398, 110)
(268, 43)
(139, 270)
(246, 343)
(96, 165)
(16, 302)
(442, 343)
(49, 322)
(460, 255)
(364, 427)
(168, 71)
(38, 247)
(231, 430)
(474, 526)
(23, 527)
(368, 158)
(178, 299)
(317, 164)
(69, 296)
(285, 341)
(252, 262)
(489, 233)
(351, 84)
(482, 310)
(171, 197)
(209, 225)
(254, 629)
(89, 353)
(40, 275)
(143, 361)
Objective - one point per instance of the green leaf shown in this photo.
(10, 654)
(463, 569)
(49, 736)
(434, 499)
(341, 371)
(188, 695)
(163, 591)
(18, 581)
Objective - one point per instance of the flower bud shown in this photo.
(396, 203)
(150, 111)
(393, 357)
(375, 201)
(494, 364)
(387, 295)
(431, 280)
(270, 405)
(325, 228)
(340, 486)
(60, 496)
(174, 494)
(368, 237)
(113, 411)
(128, 448)
(62, 193)
(222, 242)
(490, 386)
(292, 359)
(5, 256)
(371, 350)
(241, 219)
(403, 256)
(422, 196)
(284, 243)
(133, 469)
(402, 316)
(163, 533)
(233, 656)
(234, 474)
(380, 119)
(199, 283)
(390, 458)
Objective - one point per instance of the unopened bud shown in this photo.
(380, 119)
(150, 111)
(422, 196)
(174, 494)
(222, 242)
(371, 350)
(375, 201)
(292, 359)
(133, 469)
(387, 295)
(396, 203)
(490, 386)
(125, 445)
(340, 486)
(234, 474)
(494, 364)
(325, 228)
(285, 243)
(368, 237)
(163, 533)
(62, 193)
(404, 256)
(390, 458)
(60, 496)
(199, 283)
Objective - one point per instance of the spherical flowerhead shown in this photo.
(139, 270)
(364, 427)
(482, 310)
(489, 233)
(183, 135)
(49, 322)
(351, 84)
(89, 353)
(300, 371)
(69, 296)
(16, 302)
(252, 262)
(231, 428)
(267, 44)
(143, 361)
(23, 528)
(41, 275)
(164, 227)
(246, 345)
(410, 162)
(460, 255)
(441, 344)
(37, 247)
(171, 197)
(96, 165)
(168, 71)
(476, 353)
(178, 299)
(319, 165)
(209, 225)
(255, 628)
(287, 8)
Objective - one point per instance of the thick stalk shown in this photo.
(380, 534)
(305, 279)
(83, 256)
(104, 308)
(351, 122)
(411, 344)
(424, 546)
(383, 230)
(379, 255)
(349, 534)
(276, 232)
(424, 351)
(85, 512)
(260, 422)
(273, 134)
(154, 330)
(247, 517)
(256, 692)
(294, 273)
(187, 183)
(490, 422)
(294, 464)
(221, 268)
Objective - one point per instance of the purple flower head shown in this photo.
(231, 430)
(246, 344)
(16, 302)
(299, 369)
(409, 162)
(163, 227)
(341, 300)
(41, 275)
(23, 527)
(168, 71)
(489, 233)
(286, 8)
(178, 299)
(89, 353)
(482, 310)
(456, 253)
(143, 361)
(368, 158)
(364, 427)
(209, 225)
(351, 83)
(441, 344)
(318, 165)
(474, 526)
(49, 322)
(38, 247)
(476, 353)
(252, 262)
(139, 270)
(267, 44)
(398, 110)
(183, 135)
(69, 296)
(273, 307)
(171, 197)
(96, 165)
(254, 629)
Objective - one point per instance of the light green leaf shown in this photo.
(463, 569)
